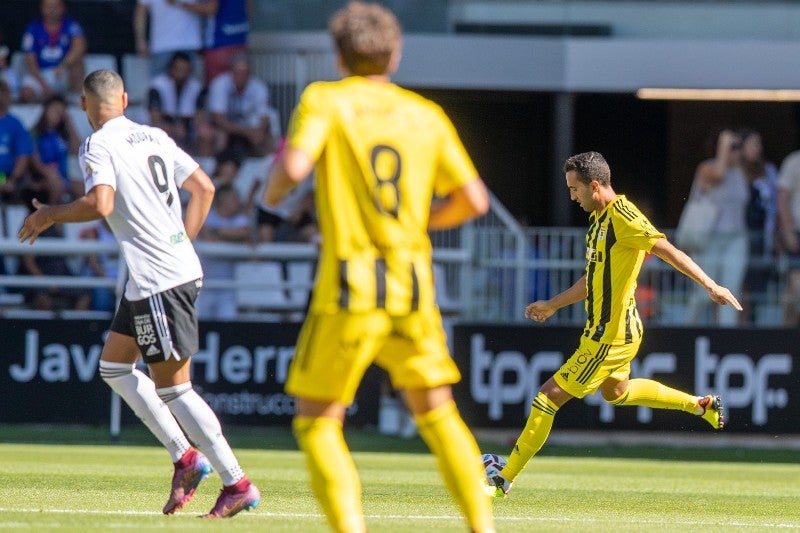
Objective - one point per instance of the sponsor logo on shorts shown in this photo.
(145, 333)
(581, 361)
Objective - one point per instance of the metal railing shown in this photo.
(513, 268)
(488, 270)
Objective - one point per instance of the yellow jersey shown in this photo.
(382, 153)
(616, 242)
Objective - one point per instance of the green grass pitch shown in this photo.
(72, 479)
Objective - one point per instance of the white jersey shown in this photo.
(145, 168)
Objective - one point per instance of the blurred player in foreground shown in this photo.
(132, 174)
(619, 236)
(381, 154)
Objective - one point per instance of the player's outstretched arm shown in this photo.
(541, 310)
(97, 203)
(684, 264)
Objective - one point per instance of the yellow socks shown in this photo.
(649, 393)
(451, 442)
(530, 441)
(334, 478)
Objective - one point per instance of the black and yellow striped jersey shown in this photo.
(382, 153)
(616, 242)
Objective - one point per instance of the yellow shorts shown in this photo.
(334, 350)
(593, 363)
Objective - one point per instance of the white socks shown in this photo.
(203, 427)
(139, 392)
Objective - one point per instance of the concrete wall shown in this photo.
(573, 64)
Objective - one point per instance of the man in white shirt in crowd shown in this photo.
(172, 102)
(238, 104)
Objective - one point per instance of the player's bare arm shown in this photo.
(201, 190)
(97, 203)
(684, 264)
(470, 201)
(541, 310)
(293, 166)
(140, 16)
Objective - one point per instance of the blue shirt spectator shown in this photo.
(54, 48)
(226, 31)
(15, 148)
(15, 142)
(50, 48)
(229, 26)
(53, 150)
(55, 139)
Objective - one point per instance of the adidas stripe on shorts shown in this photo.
(162, 325)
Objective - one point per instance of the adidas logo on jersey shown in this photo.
(564, 375)
(153, 350)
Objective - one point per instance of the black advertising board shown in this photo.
(753, 370)
(48, 373)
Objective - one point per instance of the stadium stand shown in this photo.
(261, 295)
(135, 72)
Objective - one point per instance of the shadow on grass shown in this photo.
(369, 440)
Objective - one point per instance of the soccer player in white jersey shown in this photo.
(132, 174)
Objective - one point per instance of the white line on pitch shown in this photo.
(261, 514)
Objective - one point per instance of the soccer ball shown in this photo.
(492, 465)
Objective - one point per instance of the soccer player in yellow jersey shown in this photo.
(619, 235)
(381, 154)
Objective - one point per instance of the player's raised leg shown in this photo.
(650, 393)
(533, 436)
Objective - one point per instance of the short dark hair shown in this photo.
(590, 166)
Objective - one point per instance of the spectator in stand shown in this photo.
(722, 180)
(54, 47)
(761, 217)
(226, 222)
(173, 100)
(227, 26)
(174, 26)
(56, 139)
(789, 225)
(15, 149)
(238, 107)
